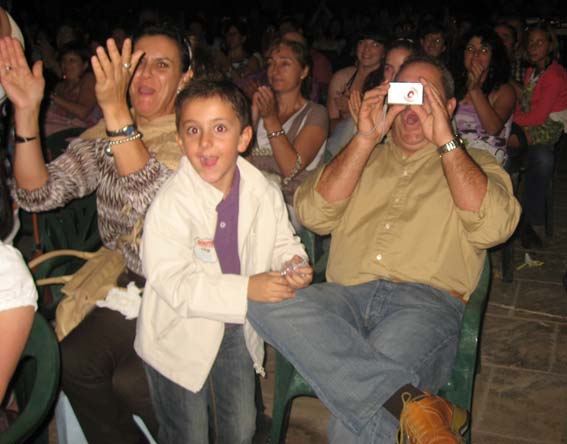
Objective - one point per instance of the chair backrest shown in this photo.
(316, 253)
(73, 227)
(459, 389)
(36, 382)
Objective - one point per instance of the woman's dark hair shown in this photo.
(171, 31)
(74, 47)
(240, 25)
(498, 70)
(204, 66)
(377, 76)
(303, 57)
(6, 212)
(371, 33)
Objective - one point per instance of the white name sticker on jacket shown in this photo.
(205, 250)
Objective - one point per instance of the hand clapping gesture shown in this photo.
(24, 87)
(264, 103)
(113, 71)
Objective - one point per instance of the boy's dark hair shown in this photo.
(446, 76)
(224, 89)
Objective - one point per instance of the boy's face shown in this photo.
(211, 137)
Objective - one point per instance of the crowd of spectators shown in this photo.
(305, 75)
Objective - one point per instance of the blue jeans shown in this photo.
(228, 394)
(356, 346)
(539, 172)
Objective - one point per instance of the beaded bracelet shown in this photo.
(295, 170)
(108, 150)
(278, 133)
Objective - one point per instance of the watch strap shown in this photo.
(453, 144)
(127, 131)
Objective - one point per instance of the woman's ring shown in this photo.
(126, 65)
(7, 68)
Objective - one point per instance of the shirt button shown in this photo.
(222, 224)
(379, 257)
(397, 199)
(405, 173)
(387, 226)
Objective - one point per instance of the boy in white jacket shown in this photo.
(216, 235)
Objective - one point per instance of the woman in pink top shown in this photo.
(544, 98)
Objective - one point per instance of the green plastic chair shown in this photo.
(72, 227)
(36, 383)
(289, 384)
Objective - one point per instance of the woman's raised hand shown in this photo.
(24, 87)
(113, 71)
(265, 102)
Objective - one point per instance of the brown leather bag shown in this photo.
(83, 288)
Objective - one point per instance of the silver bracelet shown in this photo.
(295, 170)
(108, 150)
(276, 133)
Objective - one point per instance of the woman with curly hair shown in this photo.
(486, 98)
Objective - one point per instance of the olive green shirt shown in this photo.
(401, 223)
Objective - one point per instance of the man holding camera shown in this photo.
(410, 220)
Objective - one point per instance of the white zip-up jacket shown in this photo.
(187, 299)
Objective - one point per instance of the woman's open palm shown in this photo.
(24, 87)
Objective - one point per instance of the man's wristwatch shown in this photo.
(453, 144)
(127, 131)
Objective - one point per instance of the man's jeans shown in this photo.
(228, 394)
(357, 345)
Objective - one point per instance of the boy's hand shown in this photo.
(269, 287)
(298, 272)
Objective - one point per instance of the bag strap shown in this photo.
(44, 257)
(54, 280)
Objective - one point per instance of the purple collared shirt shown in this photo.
(226, 233)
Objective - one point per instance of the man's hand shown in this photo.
(372, 122)
(269, 287)
(434, 116)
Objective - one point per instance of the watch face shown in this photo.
(130, 130)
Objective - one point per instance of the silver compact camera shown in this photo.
(405, 93)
